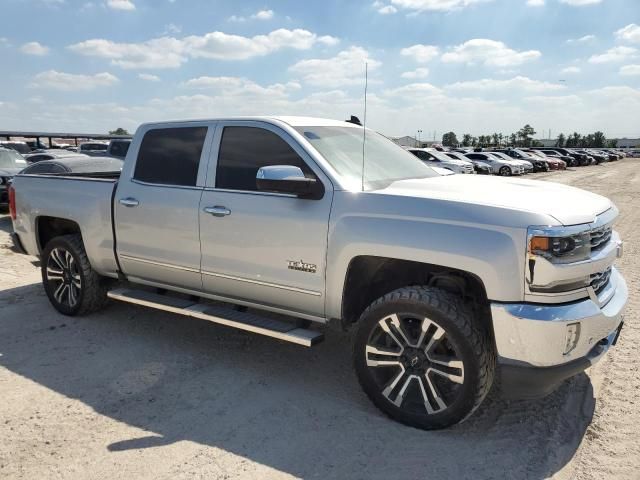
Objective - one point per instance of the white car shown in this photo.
(528, 166)
(435, 158)
(481, 168)
(500, 166)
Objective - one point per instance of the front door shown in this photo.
(156, 206)
(262, 247)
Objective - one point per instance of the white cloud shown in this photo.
(435, 5)
(242, 87)
(34, 48)
(259, 15)
(387, 10)
(630, 70)
(121, 5)
(535, 3)
(488, 52)
(570, 70)
(630, 33)
(580, 3)
(518, 83)
(346, 68)
(420, 53)
(416, 74)
(585, 39)
(263, 15)
(72, 82)
(148, 77)
(414, 91)
(615, 54)
(170, 52)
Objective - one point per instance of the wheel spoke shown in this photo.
(372, 362)
(55, 256)
(424, 328)
(436, 337)
(54, 275)
(455, 378)
(399, 397)
(58, 294)
(68, 258)
(77, 282)
(436, 397)
(72, 295)
(395, 321)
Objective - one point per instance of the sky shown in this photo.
(468, 66)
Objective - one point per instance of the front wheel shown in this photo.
(505, 171)
(72, 286)
(422, 359)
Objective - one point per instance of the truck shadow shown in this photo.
(296, 410)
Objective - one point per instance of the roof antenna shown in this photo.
(364, 124)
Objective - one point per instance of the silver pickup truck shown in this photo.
(270, 225)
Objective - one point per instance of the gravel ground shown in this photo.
(137, 393)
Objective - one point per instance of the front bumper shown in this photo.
(543, 336)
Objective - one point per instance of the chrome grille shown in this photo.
(600, 237)
(600, 280)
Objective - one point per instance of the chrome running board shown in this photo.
(250, 322)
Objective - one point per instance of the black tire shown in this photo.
(468, 375)
(72, 286)
(505, 171)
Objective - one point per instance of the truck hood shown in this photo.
(568, 205)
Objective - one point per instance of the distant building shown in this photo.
(406, 141)
(628, 143)
(546, 142)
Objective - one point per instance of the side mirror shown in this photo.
(290, 180)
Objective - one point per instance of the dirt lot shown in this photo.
(134, 393)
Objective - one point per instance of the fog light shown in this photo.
(571, 338)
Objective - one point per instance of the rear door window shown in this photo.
(170, 156)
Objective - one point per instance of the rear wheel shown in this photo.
(72, 286)
(421, 358)
(505, 171)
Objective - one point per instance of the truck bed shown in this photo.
(84, 198)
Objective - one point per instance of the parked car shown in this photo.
(537, 164)
(20, 147)
(51, 155)
(554, 162)
(499, 165)
(11, 162)
(74, 165)
(93, 149)
(576, 159)
(118, 147)
(528, 165)
(443, 278)
(480, 168)
(435, 158)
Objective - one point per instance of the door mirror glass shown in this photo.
(288, 179)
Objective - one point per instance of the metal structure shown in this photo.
(8, 135)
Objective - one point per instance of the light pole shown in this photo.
(418, 137)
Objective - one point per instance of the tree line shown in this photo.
(524, 138)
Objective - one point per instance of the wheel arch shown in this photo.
(370, 277)
(48, 228)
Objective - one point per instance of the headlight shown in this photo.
(4, 180)
(558, 245)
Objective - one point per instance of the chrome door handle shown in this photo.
(217, 211)
(129, 202)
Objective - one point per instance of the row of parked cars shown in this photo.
(21, 157)
(512, 161)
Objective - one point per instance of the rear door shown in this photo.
(156, 205)
(261, 247)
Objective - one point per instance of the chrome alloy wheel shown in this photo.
(414, 364)
(63, 276)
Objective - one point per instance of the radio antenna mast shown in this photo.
(364, 124)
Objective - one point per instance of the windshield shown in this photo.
(440, 155)
(385, 162)
(11, 159)
(500, 155)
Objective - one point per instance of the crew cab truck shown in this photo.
(446, 281)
